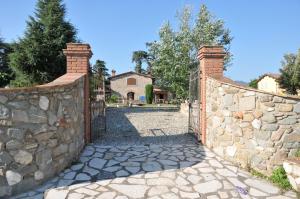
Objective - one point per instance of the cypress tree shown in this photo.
(38, 56)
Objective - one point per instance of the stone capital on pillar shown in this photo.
(212, 60)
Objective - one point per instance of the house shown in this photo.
(269, 82)
(131, 86)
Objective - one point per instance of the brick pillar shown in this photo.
(211, 64)
(78, 56)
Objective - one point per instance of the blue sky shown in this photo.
(263, 30)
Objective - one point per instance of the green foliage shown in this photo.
(38, 55)
(139, 57)
(149, 93)
(290, 73)
(175, 53)
(113, 99)
(98, 77)
(6, 74)
(101, 69)
(279, 177)
(297, 154)
(258, 174)
(253, 83)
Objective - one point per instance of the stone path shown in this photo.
(157, 172)
(173, 166)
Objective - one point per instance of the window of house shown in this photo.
(131, 81)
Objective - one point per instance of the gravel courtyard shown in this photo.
(148, 154)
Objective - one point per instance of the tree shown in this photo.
(175, 53)
(98, 77)
(6, 73)
(100, 68)
(149, 93)
(290, 73)
(253, 83)
(139, 57)
(38, 56)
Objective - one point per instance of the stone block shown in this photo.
(247, 103)
(258, 114)
(265, 98)
(293, 137)
(38, 175)
(277, 99)
(3, 99)
(23, 157)
(16, 133)
(4, 112)
(43, 159)
(285, 107)
(256, 123)
(270, 127)
(44, 103)
(231, 150)
(263, 135)
(22, 105)
(269, 118)
(277, 134)
(248, 117)
(13, 177)
(297, 108)
(61, 149)
(44, 136)
(228, 100)
(288, 121)
(19, 116)
(37, 116)
(5, 158)
(13, 145)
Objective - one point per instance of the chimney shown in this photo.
(113, 73)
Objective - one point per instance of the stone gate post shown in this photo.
(211, 60)
(78, 56)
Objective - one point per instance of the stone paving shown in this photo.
(165, 170)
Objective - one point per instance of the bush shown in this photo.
(279, 177)
(113, 99)
(298, 153)
(149, 93)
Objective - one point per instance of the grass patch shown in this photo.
(278, 177)
(258, 174)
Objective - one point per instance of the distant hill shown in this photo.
(243, 83)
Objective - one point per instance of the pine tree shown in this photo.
(100, 68)
(38, 56)
(5, 72)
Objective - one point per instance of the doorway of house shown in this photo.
(130, 96)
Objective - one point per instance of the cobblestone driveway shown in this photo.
(171, 168)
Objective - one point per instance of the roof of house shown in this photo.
(276, 76)
(130, 73)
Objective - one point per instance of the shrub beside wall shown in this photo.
(250, 127)
(149, 93)
(41, 133)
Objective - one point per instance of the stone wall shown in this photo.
(41, 132)
(249, 127)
